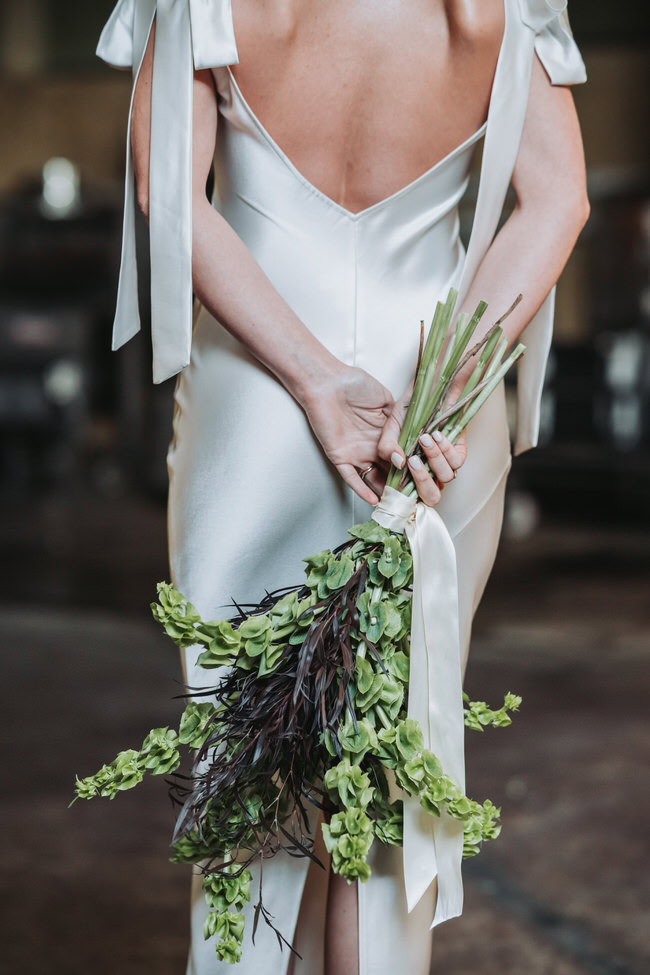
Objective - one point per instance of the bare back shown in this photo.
(366, 95)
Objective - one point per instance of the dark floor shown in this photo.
(565, 623)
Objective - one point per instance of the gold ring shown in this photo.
(363, 474)
(454, 477)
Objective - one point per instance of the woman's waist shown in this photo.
(363, 316)
(324, 257)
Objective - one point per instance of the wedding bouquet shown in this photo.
(312, 702)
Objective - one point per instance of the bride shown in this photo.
(342, 135)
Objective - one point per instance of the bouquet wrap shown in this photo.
(432, 846)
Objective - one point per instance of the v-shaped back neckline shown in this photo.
(351, 214)
(403, 190)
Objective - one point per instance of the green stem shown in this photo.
(494, 381)
(409, 489)
(479, 368)
(463, 402)
(383, 717)
(452, 361)
(427, 360)
(431, 366)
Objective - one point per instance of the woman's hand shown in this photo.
(444, 458)
(347, 412)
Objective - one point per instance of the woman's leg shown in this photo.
(342, 927)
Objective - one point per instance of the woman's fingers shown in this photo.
(444, 459)
(376, 479)
(351, 476)
(442, 456)
(425, 484)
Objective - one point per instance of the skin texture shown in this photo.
(364, 96)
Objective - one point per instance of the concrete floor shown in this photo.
(564, 622)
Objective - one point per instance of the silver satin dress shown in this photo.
(251, 492)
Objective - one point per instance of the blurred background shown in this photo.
(565, 621)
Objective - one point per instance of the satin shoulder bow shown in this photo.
(554, 41)
(190, 34)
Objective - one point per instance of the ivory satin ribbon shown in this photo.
(190, 34)
(432, 846)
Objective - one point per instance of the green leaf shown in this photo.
(339, 572)
(319, 560)
(404, 574)
(193, 727)
(432, 764)
(390, 557)
(369, 531)
(409, 738)
(358, 743)
(253, 627)
(399, 666)
(393, 623)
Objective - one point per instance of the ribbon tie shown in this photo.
(554, 42)
(538, 13)
(190, 34)
(432, 846)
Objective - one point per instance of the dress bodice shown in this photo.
(403, 240)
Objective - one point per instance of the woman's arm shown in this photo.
(346, 407)
(529, 252)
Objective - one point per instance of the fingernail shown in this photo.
(397, 460)
(437, 436)
(426, 440)
(415, 462)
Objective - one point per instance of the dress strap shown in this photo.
(531, 26)
(190, 34)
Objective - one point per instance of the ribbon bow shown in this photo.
(554, 42)
(432, 846)
(190, 34)
(538, 13)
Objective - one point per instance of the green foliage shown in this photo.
(176, 615)
(357, 743)
(194, 726)
(124, 772)
(384, 738)
(389, 821)
(348, 785)
(159, 754)
(478, 715)
(375, 687)
(226, 893)
(480, 825)
(223, 644)
(228, 890)
(392, 564)
(370, 531)
(348, 838)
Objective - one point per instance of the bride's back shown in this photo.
(365, 95)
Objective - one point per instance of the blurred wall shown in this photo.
(81, 118)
